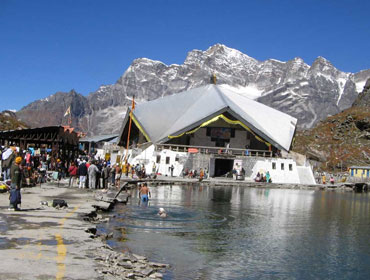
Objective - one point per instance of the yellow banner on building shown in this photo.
(234, 122)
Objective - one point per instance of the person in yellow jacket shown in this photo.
(15, 186)
(124, 168)
(324, 179)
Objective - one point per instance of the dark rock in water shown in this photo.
(154, 264)
(138, 257)
(156, 275)
(91, 230)
(125, 265)
(107, 236)
(124, 258)
(105, 206)
(147, 271)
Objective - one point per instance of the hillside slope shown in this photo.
(9, 121)
(341, 140)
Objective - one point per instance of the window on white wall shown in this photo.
(290, 167)
(274, 165)
(282, 166)
(158, 158)
(167, 160)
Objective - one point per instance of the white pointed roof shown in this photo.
(177, 113)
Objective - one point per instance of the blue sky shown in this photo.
(50, 46)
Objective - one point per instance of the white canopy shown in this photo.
(177, 113)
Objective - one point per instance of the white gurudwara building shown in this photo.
(217, 129)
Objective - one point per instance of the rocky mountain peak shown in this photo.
(219, 54)
(297, 62)
(145, 61)
(323, 66)
(309, 93)
(222, 50)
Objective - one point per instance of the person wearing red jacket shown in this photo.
(72, 171)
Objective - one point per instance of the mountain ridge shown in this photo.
(309, 93)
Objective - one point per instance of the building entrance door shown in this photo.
(223, 166)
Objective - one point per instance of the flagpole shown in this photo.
(129, 128)
(68, 113)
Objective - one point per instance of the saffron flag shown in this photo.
(68, 112)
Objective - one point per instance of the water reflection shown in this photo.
(246, 233)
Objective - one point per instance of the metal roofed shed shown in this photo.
(360, 167)
(98, 138)
(62, 140)
(175, 115)
(93, 142)
(361, 173)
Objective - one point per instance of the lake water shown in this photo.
(248, 233)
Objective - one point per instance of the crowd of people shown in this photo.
(100, 174)
(83, 171)
(193, 173)
(260, 177)
(322, 178)
(32, 168)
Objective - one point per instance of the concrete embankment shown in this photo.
(43, 242)
(231, 182)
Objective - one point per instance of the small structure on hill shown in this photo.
(360, 173)
(215, 129)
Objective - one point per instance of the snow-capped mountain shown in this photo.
(309, 93)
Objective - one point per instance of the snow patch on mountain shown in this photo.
(341, 84)
(360, 86)
(250, 91)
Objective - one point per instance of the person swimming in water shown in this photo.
(144, 193)
(162, 213)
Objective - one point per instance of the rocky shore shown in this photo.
(119, 265)
(116, 265)
(44, 242)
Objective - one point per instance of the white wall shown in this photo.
(277, 175)
(149, 156)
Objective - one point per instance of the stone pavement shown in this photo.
(42, 242)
